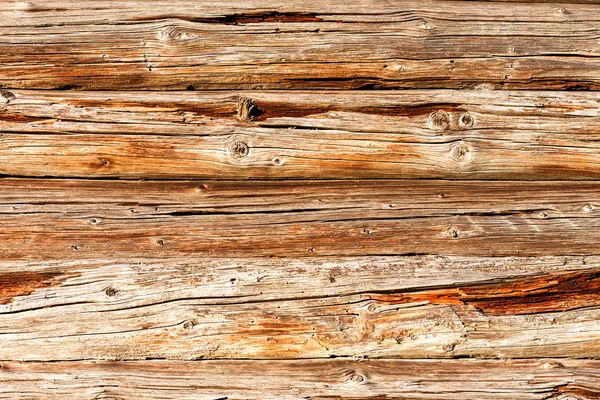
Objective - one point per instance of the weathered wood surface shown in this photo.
(254, 135)
(304, 379)
(81, 219)
(292, 200)
(375, 307)
(253, 44)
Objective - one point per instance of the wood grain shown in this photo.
(374, 307)
(304, 379)
(282, 135)
(253, 44)
(299, 200)
(80, 219)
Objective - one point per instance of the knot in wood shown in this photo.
(357, 378)
(247, 109)
(7, 96)
(588, 208)
(440, 120)
(448, 347)
(110, 291)
(453, 233)
(238, 149)
(427, 25)
(553, 364)
(461, 152)
(188, 324)
(466, 120)
(175, 33)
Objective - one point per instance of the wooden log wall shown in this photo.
(299, 200)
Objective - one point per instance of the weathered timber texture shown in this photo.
(304, 379)
(299, 200)
(80, 219)
(252, 44)
(410, 307)
(343, 135)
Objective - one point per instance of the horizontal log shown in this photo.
(79, 219)
(194, 308)
(282, 135)
(290, 45)
(303, 379)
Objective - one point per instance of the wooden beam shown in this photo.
(278, 135)
(255, 44)
(80, 219)
(304, 379)
(193, 308)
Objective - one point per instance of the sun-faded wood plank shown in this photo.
(297, 45)
(368, 307)
(304, 379)
(278, 135)
(79, 219)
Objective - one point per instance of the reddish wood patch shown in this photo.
(522, 295)
(13, 284)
